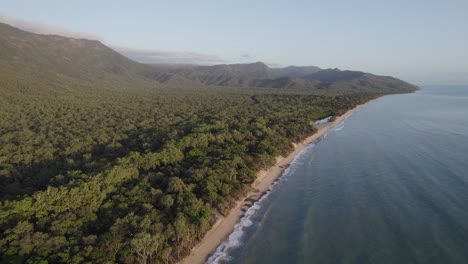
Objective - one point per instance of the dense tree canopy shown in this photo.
(100, 164)
(135, 175)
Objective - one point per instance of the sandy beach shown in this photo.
(224, 226)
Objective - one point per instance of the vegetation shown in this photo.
(100, 162)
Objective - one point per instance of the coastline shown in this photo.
(224, 226)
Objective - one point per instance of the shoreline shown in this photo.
(224, 226)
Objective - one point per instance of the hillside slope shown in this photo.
(69, 56)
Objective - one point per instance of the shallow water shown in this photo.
(389, 185)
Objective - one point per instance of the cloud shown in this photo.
(140, 55)
(245, 55)
(274, 65)
(42, 28)
(168, 57)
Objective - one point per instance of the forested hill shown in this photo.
(57, 54)
(291, 77)
(102, 161)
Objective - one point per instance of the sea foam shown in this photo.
(235, 238)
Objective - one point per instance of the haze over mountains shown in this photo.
(35, 55)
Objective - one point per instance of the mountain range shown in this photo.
(38, 55)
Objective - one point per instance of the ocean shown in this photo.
(387, 185)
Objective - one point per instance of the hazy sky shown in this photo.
(424, 42)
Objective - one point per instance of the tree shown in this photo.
(181, 232)
(113, 242)
(145, 246)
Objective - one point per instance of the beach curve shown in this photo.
(224, 225)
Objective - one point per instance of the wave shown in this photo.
(323, 121)
(338, 128)
(235, 238)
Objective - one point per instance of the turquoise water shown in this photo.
(389, 185)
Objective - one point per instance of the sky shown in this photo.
(423, 42)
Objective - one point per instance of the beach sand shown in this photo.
(224, 226)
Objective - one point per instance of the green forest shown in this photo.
(102, 163)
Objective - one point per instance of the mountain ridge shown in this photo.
(90, 59)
